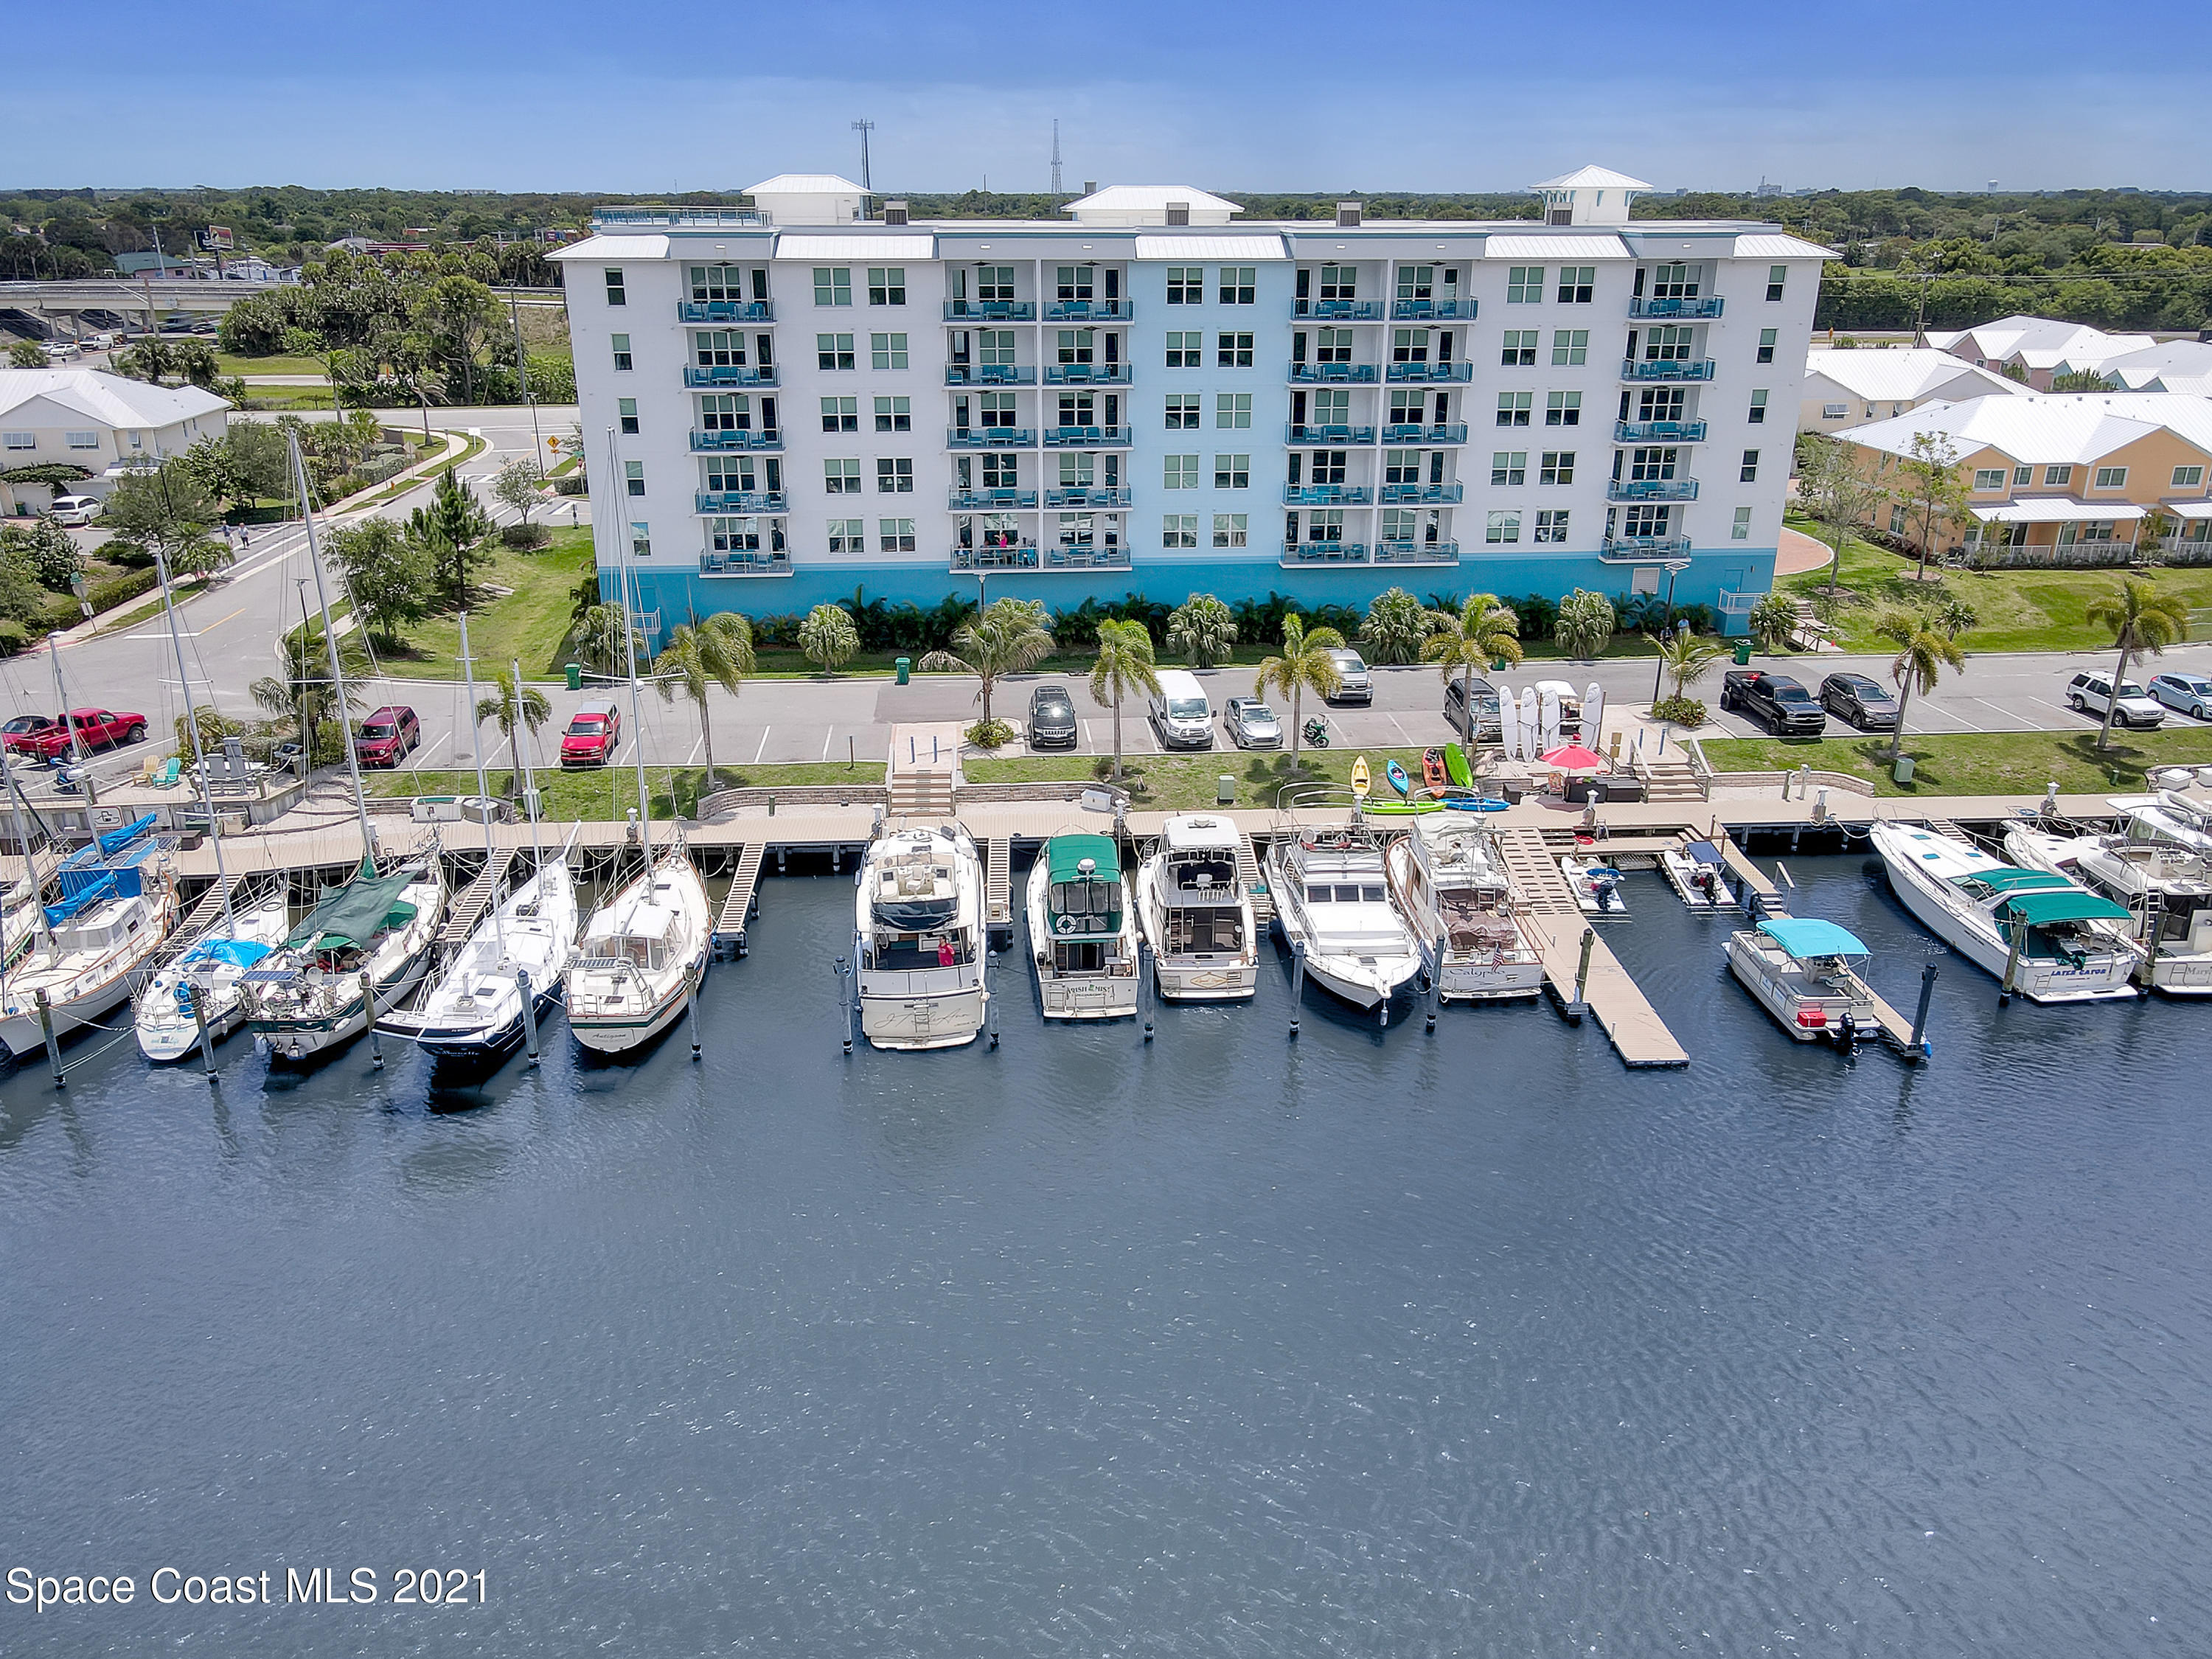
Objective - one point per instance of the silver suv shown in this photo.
(2087, 694)
(1352, 683)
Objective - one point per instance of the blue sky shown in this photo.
(644, 95)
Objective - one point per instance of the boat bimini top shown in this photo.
(1808, 938)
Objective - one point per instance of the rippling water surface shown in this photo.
(1373, 1344)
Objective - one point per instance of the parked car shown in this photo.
(1052, 718)
(2191, 693)
(76, 509)
(1485, 708)
(95, 729)
(1776, 702)
(387, 736)
(25, 726)
(1251, 724)
(2088, 694)
(60, 351)
(1571, 708)
(1861, 701)
(1352, 683)
(592, 736)
(1180, 712)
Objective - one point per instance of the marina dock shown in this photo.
(738, 904)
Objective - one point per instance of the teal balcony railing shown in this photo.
(1417, 552)
(1029, 556)
(1419, 373)
(1086, 375)
(1088, 311)
(1426, 494)
(1432, 311)
(992, 500)
(1642, 549)
(1334, 374)
(1338, 311)
(1327, 495)
(1652, 490)
(740, 501)
(1679, 368)
(1086, 437)
(989, 375)
(679, 217)
(744, 564)
(707, 442)
(989, 311)
(1707, 305)
(989, 437)
(728, 374)
(725, 310)
(1310, 553)
(1454, 432)
(1652, 432)
(1088, 495)
(1020, 555)
(1329, 435)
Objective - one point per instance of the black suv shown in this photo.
(1485, 708)
(1052, 718)
(1780, 703)
(1861, 701)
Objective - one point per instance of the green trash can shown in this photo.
(1902, 772)
(905, 666)
(1224, 789)
(1743, 653)
(575, 676)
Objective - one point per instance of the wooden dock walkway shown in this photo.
(737, 905)
(1895, 1026)
(1755, 880)
(470, 904)
(1248, 867)
(1533, 866)
(999, 884)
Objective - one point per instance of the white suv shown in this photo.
(2087, 694)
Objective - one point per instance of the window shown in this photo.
(995, 347)
(1409, 408)
(1835, 411)
(1501, 529)
(626, 412)
(887, 287)
(1186, 285)
(1075, 281)
(2188, 478)
(1402, 465)
(994, 281)
(995, 408)
(1513, 408)
(833, 285)
(1740, 530)
(620, 343)
(1411, 345)
(1229, 529)
(849, 535)
(1333, 345)
(1232, 471)
(1183, 411)
(82, 440)
(1551, 527)
(1558, 468)
(894, 413)
(1775, 276)
(1757, 413)
(1326, 466)
(1749, 473)
(1562, 408)
(1508, 467)
(1332, 408)
(1989, 477)
(1076, 345)
(1650, 522)
(1575, 285)
(1766, 338)
(1520, 349)
(742, 535)
(833, 351)
(887, 350)
(722, 284)
(894, 535)
(1417, 282)
(2112, 477)
(1668, 343)
(1179, 530)
(2023, 475)
(840, 414)
(1234, 350)
(841, 478)
(1524, 285)
(719, 349)
(725, 412)
(1409, 525)
(1181, 472)
(2058, 477)
(1896, 520)
(1185, 349)
(894, 477)
(1675, 281)
(1232, 409)
(1326, 526)
(1003, 470)
(616, 296)
(1339, 283)
(634, 476)
(1078, 470)
(20, 440)
(1238, 284)
(641, 539)
(1570, 346)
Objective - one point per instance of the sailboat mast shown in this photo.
(483, 785)
(630, 649)
(529, 773)
(199, 755)
(330, 640)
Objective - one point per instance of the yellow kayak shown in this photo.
(1361, 781)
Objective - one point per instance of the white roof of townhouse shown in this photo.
(110, 400)
(2174, 366)
(2040, 343)
(1139, 199)
(2045, 427)
(1878, 376)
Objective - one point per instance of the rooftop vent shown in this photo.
(1090, 186)
(1347, 215)
(1178, 213)
(894, 213)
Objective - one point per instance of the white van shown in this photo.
(1181, 714)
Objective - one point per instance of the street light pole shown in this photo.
(1675, 568)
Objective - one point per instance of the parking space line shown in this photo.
(828, 736)
(762, 749)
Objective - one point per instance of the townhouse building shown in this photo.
(795, 400)
(1850, 387)
(101, 424)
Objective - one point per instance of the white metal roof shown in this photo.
(1138, 198)
(1773, 244)
(1556, 246)
(805, 184)
(1880, 376)
(614, 247)
(1591, 178)
(857, 246)
(2041, 343)
(110, 400)
(2188, 509)
(2046, 427)
(2057, 509)
(1210, 247)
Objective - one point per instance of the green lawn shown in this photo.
(529, 622)
(1184, 782)
(1977, 764)
(607, 792)
(287, 398)
(2020, 609)
(226, 364)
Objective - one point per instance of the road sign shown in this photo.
(553, 443)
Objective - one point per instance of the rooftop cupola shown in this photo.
(808, 198)
(1152, 204)
(1589, 196)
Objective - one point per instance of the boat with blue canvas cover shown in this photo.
(1809, 972)
(213, 969)
(1697, 872)
(117, 903)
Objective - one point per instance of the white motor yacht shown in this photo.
(213, 969)
(309, 998)
(1448, 881)
(643, 954)
(1195, 914)
(1331, 895)
(2159, 867)
(117, 904)
(918, 926)
(1806, 971)
(1083, 929)
(2039, 927)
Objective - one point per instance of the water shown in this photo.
(1376, 1344)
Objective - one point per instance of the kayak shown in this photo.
(1399, 780)
(1456, 765)
(1362, 780)
(1434, 774)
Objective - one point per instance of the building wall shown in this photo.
(52, 426)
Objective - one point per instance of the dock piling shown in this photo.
(990, 1002)
(691, 1015)
(368, 1007)
(53, 1042)
(1145, 984)
(199, 1022)
(1920, 1019)
(1297, 982)
(1581, 973)
(2012, 967)
(529, 1013)
(845, 996)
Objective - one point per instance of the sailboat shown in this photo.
(475, 1009)
(117, 900)
(646, 950)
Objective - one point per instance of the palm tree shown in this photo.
(716, 652)
(1687, 656)
(1483, 631)
(1924, 651)
(514, 716)
(1585, 624)
(1304, 662)
(1202, 628)
(2142, 619)
(1006, 638)
(1124, 664)
(1397, 626)
(302, 697)
(598, 636)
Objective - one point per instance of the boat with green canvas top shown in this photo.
(1083, 929)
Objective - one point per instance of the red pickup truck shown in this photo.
(592, 736)
(96, 729)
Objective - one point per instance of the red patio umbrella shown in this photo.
(1573, 757)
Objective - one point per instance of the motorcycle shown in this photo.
(1316, 732)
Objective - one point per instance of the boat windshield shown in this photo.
(909, 913)
(1199, 872)
(1095, 906)
(1345, 892)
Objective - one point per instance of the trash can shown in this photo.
(1902, 772)
(1743, 653)
(1224, 790)
(575, 676)
(905, 666)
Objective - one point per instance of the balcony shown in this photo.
(989, 311)
(707, 442)
(1426, 494)
(1338, 311)
(989, 437)
(744, 564)
(1086, 375)
(1417, 552)
(1329, 435)
(1454, 432)
(1432, 311)
(1680, 368)
(1659, 432)
(1029, 556)
(725, 310)
(1088, 311)
(680, 218)
(741, 500)
(1334, 374)
(1328, 495)
(1707, 306)
(1643, 550)
(1022, 556)
(1299, 554)
(1430, 373)
(1086, 437)
(989, 375)
(1652, 490)
(728, 374)
(992, 500)
(1088, 495)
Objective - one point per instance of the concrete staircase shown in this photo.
(1671, 779)
(923, 770)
